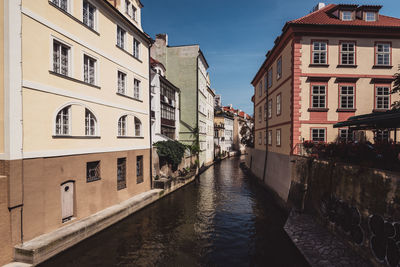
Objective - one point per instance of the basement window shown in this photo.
(92, 171)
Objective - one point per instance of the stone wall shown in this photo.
(188, 161)
(360, 204)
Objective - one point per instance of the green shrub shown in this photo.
(170, 152)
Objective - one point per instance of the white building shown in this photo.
(209, 106)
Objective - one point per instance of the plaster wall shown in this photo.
(2, 77)
(6, 252)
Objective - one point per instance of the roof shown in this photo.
(325, 16)
(376, 120)
(154, 62)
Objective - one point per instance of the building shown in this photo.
(164, 105)
(186, 67)
(75, 135)
(209, 119)
(223, 124)
(218, 102)
(333, 63)
(240, 118)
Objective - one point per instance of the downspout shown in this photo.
(151, 141)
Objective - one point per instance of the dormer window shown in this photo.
(347, 15)
(370, 16)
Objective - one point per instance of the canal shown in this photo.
(222, 219)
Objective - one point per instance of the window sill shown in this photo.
(75, 137)
(379, 110)
(318, 109)
(73, 79)
(345, 110)
(382, 67)
(92, 179)
(319, 65)
(74, 18)
(132, 98)
(346, 66)
(123, 49)
(130, 137)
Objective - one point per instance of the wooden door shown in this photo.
(67, 201)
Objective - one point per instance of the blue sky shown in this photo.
(233, 35)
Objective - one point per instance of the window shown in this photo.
(270, 137)
(133, 15)
(92, 171)
(121, 82)
(136, 89)
(127, 4)
(89, 12)
(319, 52)
(121, 173)
(61, 54)
(270, 108)
(122, 126)
(347, 15)
(139, 169)
(278, 137)
(136, 48)
(89, 73)
(259, 114)
(383, 54)
(279, 68)
(346, 97)
(382, 97)
(63, 4)
(347, 53)
(266, 82)
(381, 136)
(120, 37)
(265, 112)
(318, 96)
(270, 78)
(318, 135)
(260, 90)
(278, 104)
(370, 16)
(62, 121)
(90, 123)
(138, 127)
(259, 138)
(345, 135)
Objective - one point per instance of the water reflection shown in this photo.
(223, 219)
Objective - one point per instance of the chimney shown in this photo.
(318, 7)
(162, 37)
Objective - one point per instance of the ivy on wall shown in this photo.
(170, 152)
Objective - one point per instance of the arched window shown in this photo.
(138, 127)
(90, 123)
(122, 126)
(63, 121)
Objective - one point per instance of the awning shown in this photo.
(376, 120)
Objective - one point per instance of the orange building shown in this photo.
(333, 63)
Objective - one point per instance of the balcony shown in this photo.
(170, 123)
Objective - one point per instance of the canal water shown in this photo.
(222, 219)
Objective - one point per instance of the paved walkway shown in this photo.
(318, 245)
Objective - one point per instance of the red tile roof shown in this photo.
(324, 16)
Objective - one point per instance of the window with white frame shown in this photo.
(90, 123)
(270, 137)
(347, 15)
(136, 48)
(89, 69)
(347, 53)
(270, 108)
(61, 55)
(279, 68)
(278, 104)
(270, 78)
(319, 52)
(89, 14)
(122, 126)
(136, 89)
(121, 37)
(133, 14)
(345, 135)
(278, 137)
(63, 121)
(383, 54)
(138, 127)
(318, 134)
(63, 4)
(259, 114)
(121, 83)
(318, 96)
(370, 16)
(259, 138)
(382, 95)
(346, 96)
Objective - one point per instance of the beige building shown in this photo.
(338, 61)
(75, 136)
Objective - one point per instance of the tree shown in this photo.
(396, 89)
(247, 134)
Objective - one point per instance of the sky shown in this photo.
(233, 35)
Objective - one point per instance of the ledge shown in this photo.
(132, 98)
(382, 67)
(346, 110)
(123, 49)
(75, 137)
(319, 65)
(130, 137)
(346, 66)
(73, 79)
(379, 110)
(318, 109)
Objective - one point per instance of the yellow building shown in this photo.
(336, 62)
(75, 136)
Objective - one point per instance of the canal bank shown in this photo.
(220, 219)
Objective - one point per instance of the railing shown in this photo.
(152, 114)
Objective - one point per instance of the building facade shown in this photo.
(164, 105)
(186, 67)
(334, 63)
(75, 135)
(209, 105)
(223, 122)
